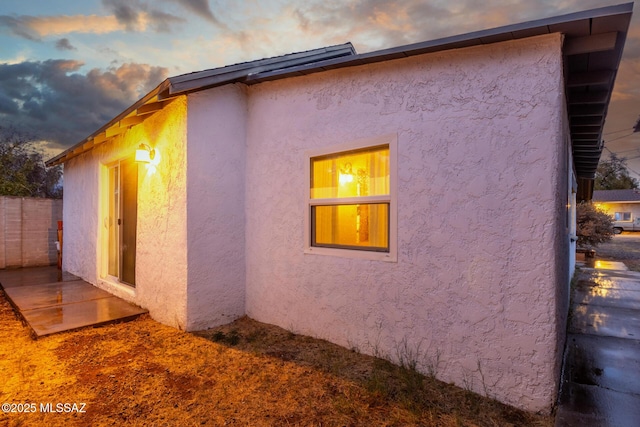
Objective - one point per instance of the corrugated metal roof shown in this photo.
(594, 40)
(632, 195)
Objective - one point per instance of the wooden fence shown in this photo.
(28, 231)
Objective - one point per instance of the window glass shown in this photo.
(364, 226)
(622, 216)
(337, 181)
(351, 174)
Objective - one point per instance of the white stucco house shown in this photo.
(419, 196)
(622, 205)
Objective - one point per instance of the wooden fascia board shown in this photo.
(590, 44)
(586, 110)
(131, 121)
(597, 97)
(115, 130)
(150, 108)
(591, 78)
(100, 138)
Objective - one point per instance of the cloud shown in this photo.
(378, 24)
(200, 8)
(17, 26)
(374, 24)
(55, 25)
(125, 12)
(135, 15)
(34, 28)
(64, 44)
(127, 16)
(53, 101)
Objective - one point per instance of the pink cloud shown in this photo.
(56, 25)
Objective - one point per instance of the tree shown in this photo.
(22, 169)
(594, 226)
(612, 174)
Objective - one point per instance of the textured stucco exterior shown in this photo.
(478, 293)
(215, 212)
(161, 261)
(481, 190)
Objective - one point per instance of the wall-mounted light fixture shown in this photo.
(145, 154)
(346, 174)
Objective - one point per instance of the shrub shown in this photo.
(594, 226)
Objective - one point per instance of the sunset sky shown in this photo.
(69, 66)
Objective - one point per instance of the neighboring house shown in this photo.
(622, 205)
(418, 199)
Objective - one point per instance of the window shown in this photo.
(622, 216)
(351, 205)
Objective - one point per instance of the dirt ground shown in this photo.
(142, 373)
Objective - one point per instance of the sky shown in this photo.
(69, 66)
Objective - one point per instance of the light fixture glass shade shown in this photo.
(142, 155)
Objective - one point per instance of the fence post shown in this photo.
(59, 245)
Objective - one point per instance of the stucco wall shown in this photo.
(565, 246)
(80, 215)
(161, 261)
(216, 208)
(473, 293)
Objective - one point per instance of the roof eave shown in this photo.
(87, 143)
(344, 56)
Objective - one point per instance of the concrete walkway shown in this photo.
(51, 302)
(601, 378)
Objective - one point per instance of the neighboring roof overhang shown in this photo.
(617, 196)
(594, 41)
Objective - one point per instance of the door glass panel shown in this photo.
(129, 219)
(112, 221)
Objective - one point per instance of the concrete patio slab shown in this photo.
(601, 376)
(608, 297)
(606, 321)
(608, 362)
(610, 265)
(67, 317)
(33, 276)
(53, 294)
(64, 304)
(610, 281)
(587, 405)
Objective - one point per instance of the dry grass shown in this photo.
(247, 373)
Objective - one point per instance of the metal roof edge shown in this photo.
(346, 57)
(170, 87)
(200, 80)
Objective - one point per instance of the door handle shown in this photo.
(119, 221)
